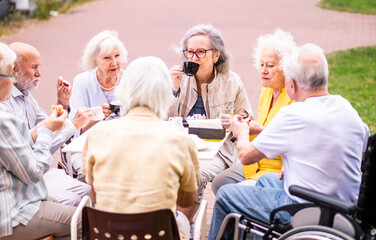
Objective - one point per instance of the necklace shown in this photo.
(107, 89)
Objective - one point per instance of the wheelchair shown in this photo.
(324, 217)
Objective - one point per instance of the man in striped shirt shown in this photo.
(23, 105)
(25, 212)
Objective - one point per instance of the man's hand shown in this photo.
(248, 154)
(64, 92)
(255, 127)
(54, 121)
(239, 127)
(82, 117)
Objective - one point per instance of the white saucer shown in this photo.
(200, 144)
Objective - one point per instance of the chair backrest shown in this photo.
(154, 225)
(366, 210)
(200, 226)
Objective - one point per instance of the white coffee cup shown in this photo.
(99, 115)
(176, 122)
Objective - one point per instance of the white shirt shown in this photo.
(321, 141)
(87, 92)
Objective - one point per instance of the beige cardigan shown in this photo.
(225, 90)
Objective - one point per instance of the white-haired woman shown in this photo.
(214, 85)
(25, 212)
(268, 53)
(138, 162)
(102, 59)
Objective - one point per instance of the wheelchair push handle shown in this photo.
(323, 200)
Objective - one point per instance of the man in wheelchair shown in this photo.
(321, 139)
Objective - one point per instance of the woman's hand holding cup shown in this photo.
(176, 73)
(225, 114)
(106, 110)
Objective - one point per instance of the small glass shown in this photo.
(226, 114)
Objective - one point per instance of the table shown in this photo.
(77, 145)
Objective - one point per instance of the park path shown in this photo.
(149, 27)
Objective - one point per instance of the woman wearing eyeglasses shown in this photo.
(214, 85)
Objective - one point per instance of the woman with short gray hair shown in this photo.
(212, 87)
(102, 59)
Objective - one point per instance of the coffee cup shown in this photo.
(177, 122)
(190, 68)
(115, 107)
(99, 115)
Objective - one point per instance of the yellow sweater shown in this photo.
(265, 115)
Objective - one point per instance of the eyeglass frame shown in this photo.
(195, 52)
(4, 75)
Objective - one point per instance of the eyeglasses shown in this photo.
(200, 53)
(4, 75)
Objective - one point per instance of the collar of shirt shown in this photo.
(17, 93)
(141, 112)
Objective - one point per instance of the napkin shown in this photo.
(207, 123)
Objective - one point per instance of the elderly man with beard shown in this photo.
(23, 105)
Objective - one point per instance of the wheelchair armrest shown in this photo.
(291, 209)
(323, 200)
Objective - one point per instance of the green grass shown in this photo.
(352, 74)
(355, 6)
(16, 19)
(45, 6)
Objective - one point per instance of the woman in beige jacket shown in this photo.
(212, 87)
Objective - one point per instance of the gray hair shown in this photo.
(147, 83)
(7, 58)
(280, 41)
(101, 44)
(217, 43)
(308, 67)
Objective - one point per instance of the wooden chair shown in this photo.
(155, 225)
(49, 237)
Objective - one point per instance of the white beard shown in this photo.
(23, 84)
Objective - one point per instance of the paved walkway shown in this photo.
(152, 27)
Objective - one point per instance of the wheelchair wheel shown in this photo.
(316, 233)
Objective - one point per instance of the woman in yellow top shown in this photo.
(269, 51)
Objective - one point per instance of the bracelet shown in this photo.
(67, 107)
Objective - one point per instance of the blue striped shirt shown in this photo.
(25, 107)
(22, 165)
